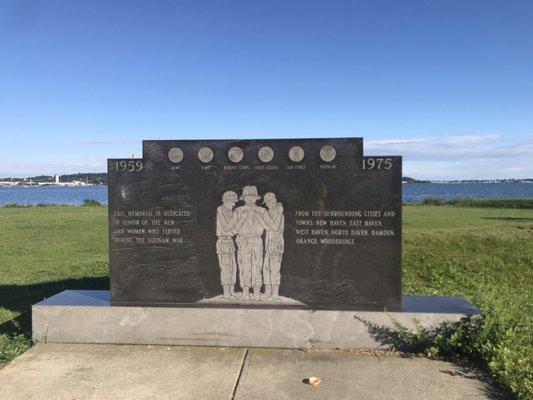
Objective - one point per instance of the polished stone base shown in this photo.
(86, 316)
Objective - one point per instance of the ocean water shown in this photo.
(416, 192)
(412, 193)
(55, 195)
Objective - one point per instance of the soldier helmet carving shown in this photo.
(230, 196)
(269, 197)
(250, 191)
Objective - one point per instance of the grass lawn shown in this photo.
(482, 254)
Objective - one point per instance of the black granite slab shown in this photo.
(341, 237)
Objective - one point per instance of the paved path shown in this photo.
(100, 372)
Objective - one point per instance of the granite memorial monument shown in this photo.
(263, 243)
(303, 223)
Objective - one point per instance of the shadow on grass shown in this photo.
(410, 344)
(19, 298)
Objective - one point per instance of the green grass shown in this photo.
(492, 203)
(43, 251)
(482, 254)
(486, 256)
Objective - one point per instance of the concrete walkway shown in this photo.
(78, 371)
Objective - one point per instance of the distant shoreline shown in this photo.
(100, 179)
(469, 182)
(412, 193)
(4, 184)
(517, 203)
(406, 180)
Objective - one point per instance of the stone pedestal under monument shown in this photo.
(86, 316)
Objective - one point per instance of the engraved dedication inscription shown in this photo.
(256, 223)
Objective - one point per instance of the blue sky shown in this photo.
(446, 84)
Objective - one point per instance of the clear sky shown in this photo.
(446, 84)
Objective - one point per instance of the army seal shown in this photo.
(175, 155)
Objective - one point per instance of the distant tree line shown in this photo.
(94, 178)
(88, 177)
(408, 179)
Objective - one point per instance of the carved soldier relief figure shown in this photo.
(226, 221)
(250, 245)
(273, 247)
